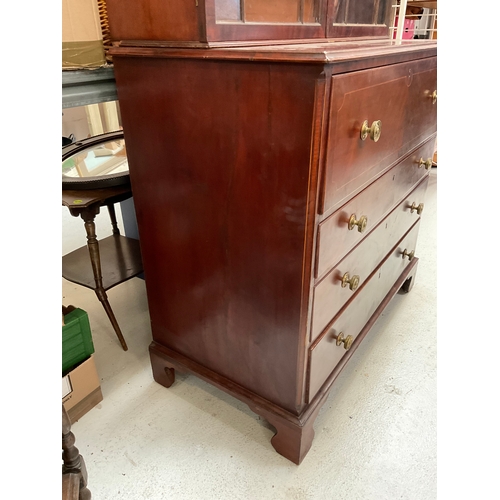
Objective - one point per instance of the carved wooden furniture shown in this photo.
(278, 187)
(101, 265)
(205, 23)
(74, 471)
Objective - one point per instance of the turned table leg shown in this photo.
(88, 217)
(73, 462)
(112, 216)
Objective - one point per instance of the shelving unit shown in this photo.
(425, 25)
(84, 87)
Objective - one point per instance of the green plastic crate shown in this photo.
(77, 343)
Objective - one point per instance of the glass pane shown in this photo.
(268, 11)
(310, 11)
(338, 11)
(383, 16)
(228, 10)
(277, 11)
(361, 11)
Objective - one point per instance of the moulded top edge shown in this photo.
(313, 52)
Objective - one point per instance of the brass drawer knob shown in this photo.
(374, 131)
(434, 96)
(361, 223)
(427, 163)
(419, 208)
(352, 282)
(347, 341)
(410, 255)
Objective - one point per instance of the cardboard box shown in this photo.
(81, 389)
(82, 40)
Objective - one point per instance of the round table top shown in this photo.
(84, 198)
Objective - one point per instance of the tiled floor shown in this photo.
(375, 436)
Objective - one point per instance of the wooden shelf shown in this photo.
(88, 86)
(120, 261)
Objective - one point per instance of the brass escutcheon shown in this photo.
(419, 208)
(361, 223)
(434, 96)
(410, 255)
(427, 163)
(374, 131)
(347, 341)
(352, 282)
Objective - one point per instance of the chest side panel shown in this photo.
(220, 158)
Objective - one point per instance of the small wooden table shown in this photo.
(113, 260)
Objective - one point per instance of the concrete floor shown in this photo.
(375, 436)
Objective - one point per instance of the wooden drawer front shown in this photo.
(334, 237)
(324, 354)
(329, 295)
(400, 97)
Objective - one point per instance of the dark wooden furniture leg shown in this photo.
(112, 216)
(88, 217)
(294, 434)
(73, 469)
(410, 280)
(162, 373)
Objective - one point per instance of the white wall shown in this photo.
(74, 121)
(73, 230)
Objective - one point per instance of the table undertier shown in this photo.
(120, 260)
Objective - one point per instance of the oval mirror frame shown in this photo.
(97, 181)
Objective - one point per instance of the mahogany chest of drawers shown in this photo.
(278, 192)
